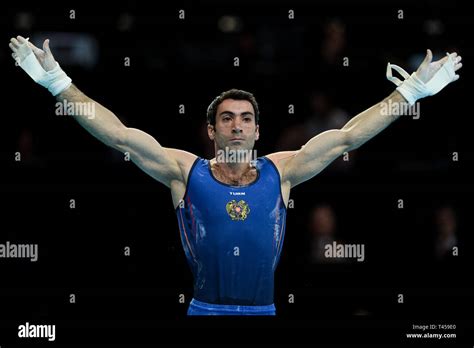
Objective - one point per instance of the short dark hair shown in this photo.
(236, 94)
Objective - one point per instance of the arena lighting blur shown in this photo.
(230, 24)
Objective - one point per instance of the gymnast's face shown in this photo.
(235, 126)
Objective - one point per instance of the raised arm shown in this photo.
(163, 164)
(298, 166)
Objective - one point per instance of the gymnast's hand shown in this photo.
(21, 48)
(40, 64)
(429, 78)
(428, 69)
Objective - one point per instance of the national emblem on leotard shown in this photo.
(237, 210)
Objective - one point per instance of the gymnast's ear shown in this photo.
(210, 131)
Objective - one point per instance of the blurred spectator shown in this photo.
(25, 149)
(334, 42)
(446, 232)
(322, 228)
(324, 115)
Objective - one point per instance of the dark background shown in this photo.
(134, 299)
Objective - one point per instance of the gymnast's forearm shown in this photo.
(372, 121)
(42, 67)
(95, 118)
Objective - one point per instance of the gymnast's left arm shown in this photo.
(324, 148)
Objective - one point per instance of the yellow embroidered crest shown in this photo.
(237, 210)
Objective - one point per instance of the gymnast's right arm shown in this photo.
(154, 159)
(164, 164)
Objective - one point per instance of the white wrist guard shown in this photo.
(413, 88)
(54, 80)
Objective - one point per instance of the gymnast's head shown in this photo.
(232, 120)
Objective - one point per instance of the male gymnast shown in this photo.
(231, 210)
